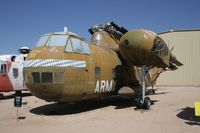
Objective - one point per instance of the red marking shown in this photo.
(5, 83)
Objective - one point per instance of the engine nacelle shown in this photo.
(143, 47)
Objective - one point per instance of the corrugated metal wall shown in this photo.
(187, 50)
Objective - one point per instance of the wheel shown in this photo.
(147, 103)
(2, 96)
(139, 103)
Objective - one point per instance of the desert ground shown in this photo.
(172, 112)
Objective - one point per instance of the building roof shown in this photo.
(181, 30)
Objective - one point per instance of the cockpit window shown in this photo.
(76, 44)
(3, 69)
(68, 48)
(86, 49)
(42, 41)
(57, 40)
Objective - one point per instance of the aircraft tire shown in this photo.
(2, 96)
(139, 103)
(147, 103)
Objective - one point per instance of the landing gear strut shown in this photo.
(143, 102)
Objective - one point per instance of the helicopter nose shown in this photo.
(48, 92)
(46, 84)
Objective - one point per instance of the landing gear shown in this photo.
(153, 91)
(140, 103)
(2, 96)
(146, 104)
(143, 102)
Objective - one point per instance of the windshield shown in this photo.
(42, 41)
(53, 40)
(57, 40)
(77, 45)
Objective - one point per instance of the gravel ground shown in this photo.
(172, 111)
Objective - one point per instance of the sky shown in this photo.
(22, 22)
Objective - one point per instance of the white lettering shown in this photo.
(97, 87)
(111, 86)
(104, 86)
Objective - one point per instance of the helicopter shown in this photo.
(63, 67)
(11, 71)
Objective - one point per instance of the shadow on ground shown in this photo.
(188, 114)
(161, 93)
(79, 107)
(67, 109)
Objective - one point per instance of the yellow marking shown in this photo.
(197, 108)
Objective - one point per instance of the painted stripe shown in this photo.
(54, 63)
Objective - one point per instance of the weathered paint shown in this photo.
(105, 71)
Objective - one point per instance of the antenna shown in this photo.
(65, 29)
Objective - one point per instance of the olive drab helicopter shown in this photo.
(64, 68)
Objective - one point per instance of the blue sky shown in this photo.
(23, 21)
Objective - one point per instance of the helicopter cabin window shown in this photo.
(68, 47)
(42, 41)
(76, 44)
(3, 69)
(97, 72)
(57, 40)
(35, 77)
(86, 48)
(47, 77)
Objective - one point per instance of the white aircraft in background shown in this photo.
(11, 71)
